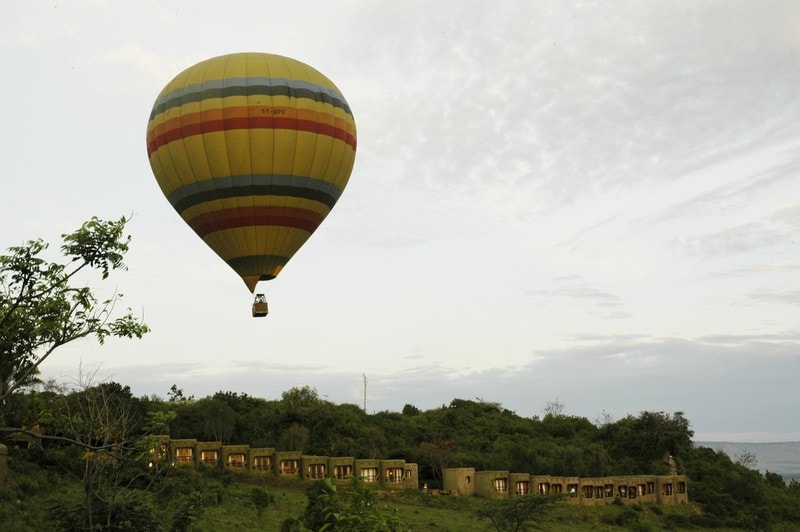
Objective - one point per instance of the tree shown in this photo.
(323, 505)
(642, 442)
(104, 422)
(747, 459)
(515, 514)
(43, 306)
(354, 509)
(554, 408)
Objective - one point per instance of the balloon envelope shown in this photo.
(252, 150)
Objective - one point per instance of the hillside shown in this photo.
(92, 460)
(782, 458)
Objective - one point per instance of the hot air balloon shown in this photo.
(252, 150)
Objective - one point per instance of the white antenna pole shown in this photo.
(365, 391)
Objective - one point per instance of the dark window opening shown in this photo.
(236, 460)
(184, 454)
(262, 463)
(394, 474)
(209, 457)
(342, 471)
(316, 471)
(289, 467)
(369, 474)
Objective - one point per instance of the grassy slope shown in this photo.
(420, 512)
(229, 507)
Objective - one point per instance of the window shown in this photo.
(184, 454)
(572, 489)
(209, 457)
(632, 492)
(342, 471)
(262, 463)
(622, 492)
(588, 491)
(468, 480)
(651, 487)
(394, 474)
(681, 487)
(608, 489)
(598, 492)
(667, 489)
(522, 487)
(289, 467)
(369, 474)
(556, 488)
(236, 460)
(501, 485)
(316, 471)
(544, 488)
(642, 489)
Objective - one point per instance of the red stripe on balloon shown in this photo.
(164, 137)
(207, 223)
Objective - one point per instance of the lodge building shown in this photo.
(386, 473)
(628, 489)
(397, 473)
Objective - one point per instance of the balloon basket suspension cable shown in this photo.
(260, 308)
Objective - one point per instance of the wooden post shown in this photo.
(3, 463)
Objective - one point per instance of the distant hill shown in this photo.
(781, 457)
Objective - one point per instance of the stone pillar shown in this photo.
(3, 463)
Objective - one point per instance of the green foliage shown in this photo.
(360, 511)
(134, 515)
(464, 433)
(639, 444)
(188, 510)
(626, 518)
(734, 496)
(355, 508)
(261, 499)
(517, 514)
(42, 307)
(322, 507)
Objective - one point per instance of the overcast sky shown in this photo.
(592, 202)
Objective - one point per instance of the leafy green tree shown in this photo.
(295, 438)
(361, 511)
(218, 423)
(322, 507)
(176, 394)
(354, 509)
(43, 306)
(643, 442)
